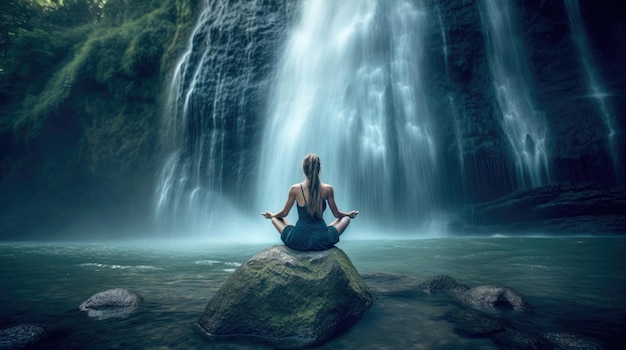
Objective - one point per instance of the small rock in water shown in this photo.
(22, 335)
(117, 302)
(494, 296)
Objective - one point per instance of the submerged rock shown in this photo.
(521, 340)
(403, 285)
(21, 336)
(494, 297)
(117, 302)
(473, 323)
(571, 341)
(442, 284)
(287, 298)
(392, 284)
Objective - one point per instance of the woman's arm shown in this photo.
(333, 206)
(291, 198)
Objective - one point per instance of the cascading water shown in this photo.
(349, 89)
(596, 89)
(208, 121)
(523, 125)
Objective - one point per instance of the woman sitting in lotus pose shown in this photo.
(311, 195)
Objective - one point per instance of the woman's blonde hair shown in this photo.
(311, 167)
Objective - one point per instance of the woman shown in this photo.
(311, 195)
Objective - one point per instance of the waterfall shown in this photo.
(596, 89)
(395, 97)
(522, 124)
(208, 126)
(348, 88)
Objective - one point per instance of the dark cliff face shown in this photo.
(463, 98)
(577, 142)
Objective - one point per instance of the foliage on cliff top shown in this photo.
(122, 47)
(80, 85)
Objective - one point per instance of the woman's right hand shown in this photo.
(353, 214)
(267, 214)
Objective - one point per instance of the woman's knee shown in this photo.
(279, 224)
(342, 224)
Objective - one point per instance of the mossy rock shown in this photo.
(287, 298)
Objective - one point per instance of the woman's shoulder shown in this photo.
(296, 187)
(326, 188)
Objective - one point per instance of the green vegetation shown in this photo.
(80, 85)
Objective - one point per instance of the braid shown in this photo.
(311, 167)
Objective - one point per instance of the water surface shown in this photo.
(574, 284)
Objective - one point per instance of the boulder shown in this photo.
(117, 302)
(21, 336)
(287, 298)
(489, 296)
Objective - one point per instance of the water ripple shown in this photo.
(120, 267)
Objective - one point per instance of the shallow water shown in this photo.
(574, 284)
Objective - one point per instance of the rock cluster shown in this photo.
(480, 297)
(481, 311)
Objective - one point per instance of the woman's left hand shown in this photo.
(353, 214)
(267, 214)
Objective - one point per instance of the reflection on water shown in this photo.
(573, 284)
